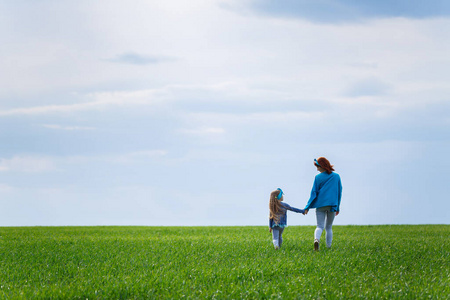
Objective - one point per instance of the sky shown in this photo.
(189, 113)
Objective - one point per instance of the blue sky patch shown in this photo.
(335, 11)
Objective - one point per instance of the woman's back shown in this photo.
(329, 185)
(326, 191)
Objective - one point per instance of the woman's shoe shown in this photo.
(316, 245)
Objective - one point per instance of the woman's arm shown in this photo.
(314, 193)
(339, 195)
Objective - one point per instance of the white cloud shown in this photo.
(101, 101)
(140, 59)
(260, 61)
(40, 164)
(147, 153)
(27, 164)
(5, 188)
(206, 135)
(55, 108)
(136, 157)
(273, 118)
(368, 87)
(204, 131)
(124, 158)
(68, 128)
(229, 93)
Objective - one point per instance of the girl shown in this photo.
(278, 216)
(325, 197)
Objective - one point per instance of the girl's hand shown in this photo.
(270, 230)
(306, 212)
(337, 213)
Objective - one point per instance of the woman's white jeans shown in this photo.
(325, 220)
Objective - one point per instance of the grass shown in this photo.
(366, 262)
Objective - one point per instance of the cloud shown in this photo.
(5, 188)
(136, 157)
(227, 96)
(119, 158)
(204, 134)
(96, 101)
(147, 153)
(68, 128)
(27, 164)
(39, 164)
(204, 131)
(269, 119)
(139, 59)
(339, 11)
(368, 87)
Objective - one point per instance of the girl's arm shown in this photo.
(287, 206)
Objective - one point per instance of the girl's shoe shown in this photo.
(276, 247)
(316, 245)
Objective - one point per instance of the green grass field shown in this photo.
(378, 262)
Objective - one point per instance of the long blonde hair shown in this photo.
(275, 207)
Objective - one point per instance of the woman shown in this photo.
(326, 199)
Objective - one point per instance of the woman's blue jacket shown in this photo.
(326, 191)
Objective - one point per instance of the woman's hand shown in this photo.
(337, 213)
(306, 212)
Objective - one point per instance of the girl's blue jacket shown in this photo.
(283, 217)
(326, 191)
